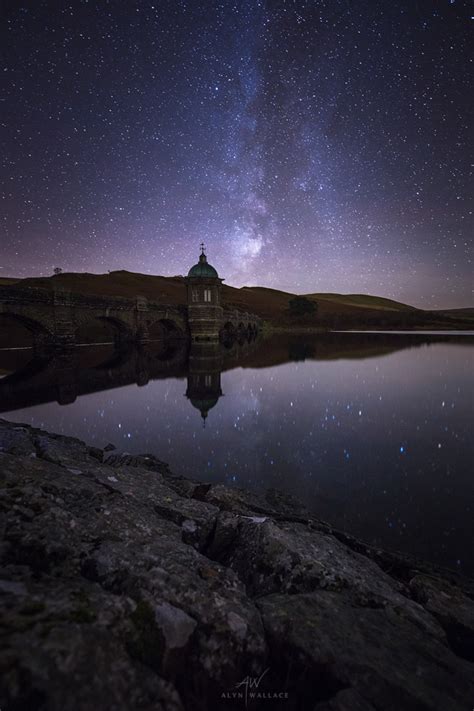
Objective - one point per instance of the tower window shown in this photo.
(207, 295)
(194, 295)
(207, 381)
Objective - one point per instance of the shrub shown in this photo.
(301, 306)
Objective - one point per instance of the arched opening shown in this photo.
(227, 334)
(19, 332)
(100, 330)
(97, 357)
(109, 358)
(241, 333)
(252, 332)
(18, 338)
(17, 367)
(167, 351)
(164, 328)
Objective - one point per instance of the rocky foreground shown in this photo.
(125, 587)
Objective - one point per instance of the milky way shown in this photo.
(313, 146)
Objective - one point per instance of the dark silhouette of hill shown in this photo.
(334, 310)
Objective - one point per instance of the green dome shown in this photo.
(203, 269)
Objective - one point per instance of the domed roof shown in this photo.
(204, 405)
(203, 269)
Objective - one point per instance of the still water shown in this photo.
(372, 431)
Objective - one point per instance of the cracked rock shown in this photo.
(125, 587)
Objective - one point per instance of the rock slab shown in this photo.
(124, 587)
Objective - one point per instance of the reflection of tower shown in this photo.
(204, 298)
(204, 377)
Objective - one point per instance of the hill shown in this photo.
(270, 304)
(334, 310)
(170, 290)
(363, 301)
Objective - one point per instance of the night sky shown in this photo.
(313, 146)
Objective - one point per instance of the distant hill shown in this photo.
(121, 283)
(363, 301)
(267, 303)
(466, 313)
(333, 310)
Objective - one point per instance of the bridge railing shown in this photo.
(26, 295)
(60, 297)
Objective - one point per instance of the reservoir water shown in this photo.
(372, 431)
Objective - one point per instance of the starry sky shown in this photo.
(313, 145)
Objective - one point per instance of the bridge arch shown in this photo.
(102, 329)
(24, 332)
(31, 366)
(164, 328)
(227, 331)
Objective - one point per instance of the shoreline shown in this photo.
(270, 330)
(167, 592)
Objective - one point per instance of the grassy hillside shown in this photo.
(467, 314)
(344, 311)
(363, 301)
(170, 290)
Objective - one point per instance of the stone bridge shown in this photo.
(55, 317)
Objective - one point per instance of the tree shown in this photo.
(57, 270)
(301, 306)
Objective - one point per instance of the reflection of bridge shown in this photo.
(54, 317)
(65, 375)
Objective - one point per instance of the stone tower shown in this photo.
(204, 301)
